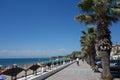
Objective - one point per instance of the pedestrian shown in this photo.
(77, 61)
(83, 60)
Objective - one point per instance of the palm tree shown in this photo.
(101, 13)
(87, 41)
(74, 54)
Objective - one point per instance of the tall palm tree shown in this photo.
(101, 13)
(87, 41)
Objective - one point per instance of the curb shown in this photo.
(47, 74)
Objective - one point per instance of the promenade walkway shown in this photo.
(74, 72)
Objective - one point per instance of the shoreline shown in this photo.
(48, 66)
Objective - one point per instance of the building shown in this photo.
(115, 52)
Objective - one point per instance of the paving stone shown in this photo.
(74, 72)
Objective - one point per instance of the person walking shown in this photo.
(83, 60)
(77, 61)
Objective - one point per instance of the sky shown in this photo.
(41, 28)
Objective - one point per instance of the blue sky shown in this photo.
(41, 28)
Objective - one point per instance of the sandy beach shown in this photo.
(22, 74)
(30, 72)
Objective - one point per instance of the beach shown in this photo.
(32, 69)
(22, 74)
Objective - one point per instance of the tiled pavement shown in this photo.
(74, 72)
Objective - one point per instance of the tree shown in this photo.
(74, 54)
(101, 13)
(87, 41)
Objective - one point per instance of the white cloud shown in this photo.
(31, 53)
(61, 49)
(21, 53)
(3, 51)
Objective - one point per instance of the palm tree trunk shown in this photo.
(93, 54)
(90, 58)
(104, 46)
(93, 64)
(105, 58)
(87, 59)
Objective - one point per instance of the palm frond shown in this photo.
(87, 19)
(115, 11)
(90, 30)
(83, 32)
(80, 17)
(112, 18)
(86, 5)
(100, 6)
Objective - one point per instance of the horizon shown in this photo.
(41, 28)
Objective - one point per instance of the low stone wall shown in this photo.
(51, 72)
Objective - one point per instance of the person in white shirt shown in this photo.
(77, 61)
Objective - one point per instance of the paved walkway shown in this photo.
(74, 72)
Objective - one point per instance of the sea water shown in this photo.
(21, 61)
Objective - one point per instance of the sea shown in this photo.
(21, 61)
